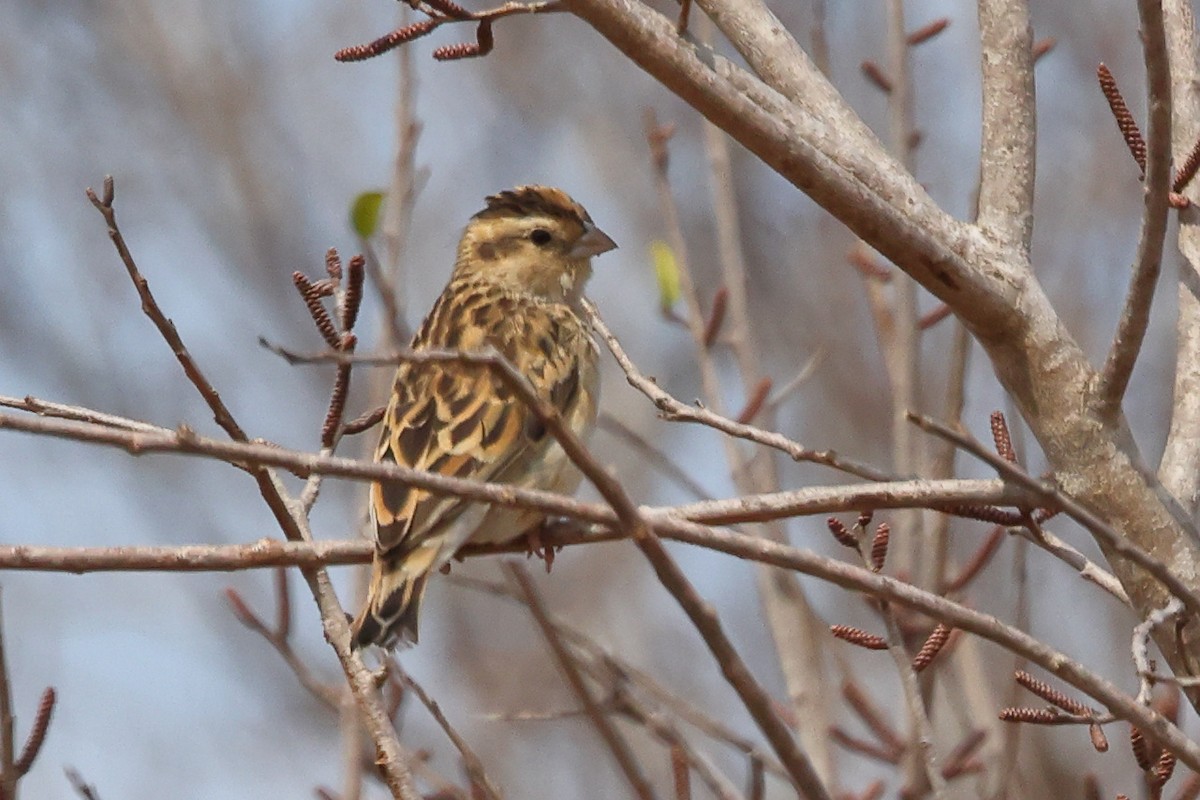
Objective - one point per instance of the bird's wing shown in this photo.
(463, 421)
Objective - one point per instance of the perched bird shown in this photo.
(516, 287)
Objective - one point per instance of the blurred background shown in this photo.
(238, 145)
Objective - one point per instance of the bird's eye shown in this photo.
(540, 236)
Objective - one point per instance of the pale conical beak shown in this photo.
(593, 242)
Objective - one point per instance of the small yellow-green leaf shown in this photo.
(364, 214)
(667, 272)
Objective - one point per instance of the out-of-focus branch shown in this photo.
(279, 639)
(14, 765)
(471, 762)
(600, 659)
(653, 454)
(616, 742)
(47, 408)
(796, 632)
(1135, 317)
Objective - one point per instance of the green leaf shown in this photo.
(667, 271)
(364, 213)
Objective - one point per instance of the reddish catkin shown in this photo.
(333, 264)
(361, 52)
(1099, 740)
(1050, 694)
(1125, 122)
(37, 734)
(926, 32)
(352, 299)
(933, 645)
(1002, 438)
(879, 546)
(848, 633)
(449, 8)
(1187, 170)
(992, 514)
(1163, 768)
(311, 295)
(1140, 748)
(1034, 715)
(840, 532)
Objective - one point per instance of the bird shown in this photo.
(517, 290)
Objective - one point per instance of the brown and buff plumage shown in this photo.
(517, 284)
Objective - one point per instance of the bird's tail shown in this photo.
(389, 616)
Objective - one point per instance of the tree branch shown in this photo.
(1135, 317)
(1008, 146)
(1180, 466)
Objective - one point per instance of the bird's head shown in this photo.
(532, 239)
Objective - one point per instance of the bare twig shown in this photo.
(1084, 516)
(278, 638)
(1141, 646)
(673, 409)
(947, 495)
(166, 328)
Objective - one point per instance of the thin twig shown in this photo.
(166, 328)
(1084, 516)
(673, 409)
(278, 638)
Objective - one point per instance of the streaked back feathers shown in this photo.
(522, 264)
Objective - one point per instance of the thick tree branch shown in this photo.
(1007, 149)
(882, 204)
(1180, 467)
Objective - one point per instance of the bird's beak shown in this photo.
(593, 242)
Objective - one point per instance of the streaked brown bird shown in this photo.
(517, 285)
